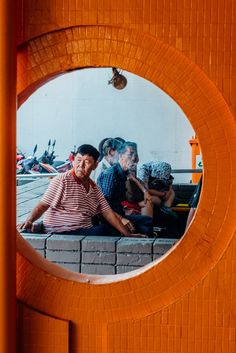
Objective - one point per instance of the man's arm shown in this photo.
(146, 194)
(143, 174)
(154, 192)
(35, 214)
(115, 221)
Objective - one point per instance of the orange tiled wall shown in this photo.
(203, 30)
(186, 302)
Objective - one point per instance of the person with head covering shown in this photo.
(157, 178)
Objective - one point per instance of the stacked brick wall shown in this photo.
(99, 255)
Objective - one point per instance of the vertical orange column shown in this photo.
(7, 175)
(194, 143)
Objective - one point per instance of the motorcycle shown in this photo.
(26, 165)
(47, 163)
(19, 155)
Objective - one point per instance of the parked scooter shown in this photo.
(26, 165)
(47, 163)
(72, 154)
(19, 155)
(48, 156)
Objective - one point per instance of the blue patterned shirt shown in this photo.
(112, 184)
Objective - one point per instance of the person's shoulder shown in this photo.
(92, 183)
(105, 164)
(110, 170)
(95, 187)
(63, 176)
(108, 175)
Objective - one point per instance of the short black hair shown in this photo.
(122, 149)
(110, 143)
(89, 150)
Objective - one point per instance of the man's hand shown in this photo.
(147, 197)
(131, 176)
(35, 214)
(121, 224)
(27, 225)
(128, 224)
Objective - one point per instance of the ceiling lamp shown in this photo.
(118, 81)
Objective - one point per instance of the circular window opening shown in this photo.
(78, 108)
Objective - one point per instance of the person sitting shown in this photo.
(112, 183)
(72, 199)
(136, 194)
(110, 156)
(157, 178)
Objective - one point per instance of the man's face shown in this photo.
(128, 158)
(84, 165)
(113, 156)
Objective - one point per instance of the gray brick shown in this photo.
(64, 242)
(135, 245)
(38, 241)
(162, 245)
(98, 269)
(133, 259)
(123, 269)
(63, 256)
(75, 267)
(100, 243)
(98, 257)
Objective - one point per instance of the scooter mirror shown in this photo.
(54, 142)
(35, 149)
(49, 144)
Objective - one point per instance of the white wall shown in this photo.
(80, 107)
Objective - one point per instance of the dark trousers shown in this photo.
(142, 224)
(101, 229)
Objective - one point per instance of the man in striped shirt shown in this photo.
(72, 199)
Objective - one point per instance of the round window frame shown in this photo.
(163, 281)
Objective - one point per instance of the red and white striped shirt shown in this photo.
(71, 206)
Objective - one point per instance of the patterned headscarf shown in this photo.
(155, 170)
(161, 170)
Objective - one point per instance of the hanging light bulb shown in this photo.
(118, 80)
